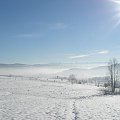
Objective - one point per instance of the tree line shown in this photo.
(113, 68)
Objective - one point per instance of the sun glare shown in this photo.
(115, 1)
(116, 17)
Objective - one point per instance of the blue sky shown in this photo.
(59, 31)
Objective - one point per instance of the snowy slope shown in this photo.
(86, 73)
(50, 71)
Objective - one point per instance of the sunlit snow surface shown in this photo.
(24, 99)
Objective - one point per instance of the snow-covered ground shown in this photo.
(24, 99)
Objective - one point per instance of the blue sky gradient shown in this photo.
(58, 31)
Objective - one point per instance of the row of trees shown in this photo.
(113, 79)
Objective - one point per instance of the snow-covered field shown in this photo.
(24, 99)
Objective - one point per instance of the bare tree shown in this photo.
(113, 72)
(72, 78)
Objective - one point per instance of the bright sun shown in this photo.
(117, 12)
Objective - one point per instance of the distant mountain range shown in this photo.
(44, 69)
(13, 65)
(25, 65)
(54, 65)
(86, 73)
(34, 65)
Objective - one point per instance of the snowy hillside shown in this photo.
(86, 73)
(52, 70)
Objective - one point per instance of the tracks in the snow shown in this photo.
(75, 113)
(85, 97)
